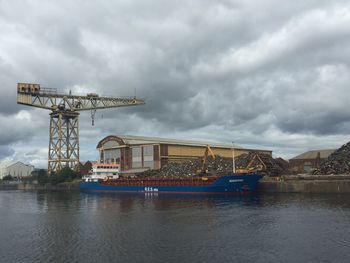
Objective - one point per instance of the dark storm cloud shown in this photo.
(5, 151)
(20, 126)
(209, 69)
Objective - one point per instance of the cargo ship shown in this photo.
(105, 178)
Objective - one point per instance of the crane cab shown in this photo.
(29, 88)
(92, 95)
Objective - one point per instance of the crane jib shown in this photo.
(64, 118)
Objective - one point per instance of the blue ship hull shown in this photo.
(229, 184)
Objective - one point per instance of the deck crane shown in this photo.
(204, 168)
(64, 118)
(255, 164)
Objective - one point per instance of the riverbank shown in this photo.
(304, 183)
(67, 186)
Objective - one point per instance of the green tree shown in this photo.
(42, 177)
(65, 175)
(7, 178)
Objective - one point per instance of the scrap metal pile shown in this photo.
(264, 163)
(219, 165)
(175, 170)
(336, 163)
(190, 168)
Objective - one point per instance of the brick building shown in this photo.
(307, 161)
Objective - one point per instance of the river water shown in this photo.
(80, 227)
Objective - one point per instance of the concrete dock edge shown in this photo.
(305, 186)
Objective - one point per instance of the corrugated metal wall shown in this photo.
(198, 151)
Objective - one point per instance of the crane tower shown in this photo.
(64, 118)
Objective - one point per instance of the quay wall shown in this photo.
(339, 184)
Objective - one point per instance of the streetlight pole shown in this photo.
(233, 159)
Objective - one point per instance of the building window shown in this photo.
(112, 155)
(136, 157)
(148, 159)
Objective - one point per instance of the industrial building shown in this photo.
(305, 162)
(136, 153)
(17, 170)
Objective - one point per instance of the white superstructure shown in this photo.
(103, 171)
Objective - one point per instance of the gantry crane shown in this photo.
(64, 118)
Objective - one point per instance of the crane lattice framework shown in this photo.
(64, 119)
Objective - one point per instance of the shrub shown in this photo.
(7, 178)
(42, 177)
(65, 175)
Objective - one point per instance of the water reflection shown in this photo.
(306, 200)
(81, 227)
(124, 202)
(66, 201)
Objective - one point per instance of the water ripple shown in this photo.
(74, 227)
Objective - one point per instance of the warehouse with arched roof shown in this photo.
(138, 153)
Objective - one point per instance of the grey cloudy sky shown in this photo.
(265, 74)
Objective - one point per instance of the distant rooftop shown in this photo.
(313, 154)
